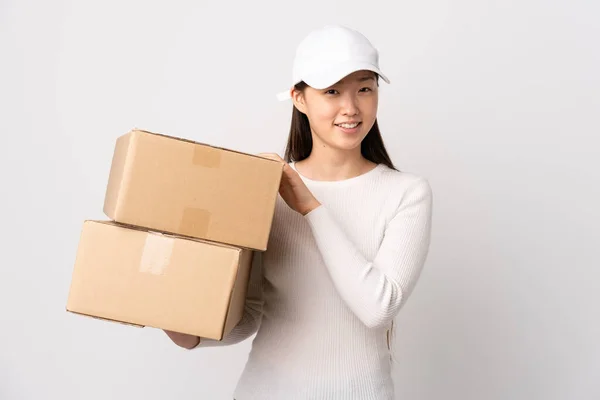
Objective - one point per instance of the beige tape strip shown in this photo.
(195, 222)
(206, 156)
(157, 252)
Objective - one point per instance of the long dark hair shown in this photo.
(299, 144)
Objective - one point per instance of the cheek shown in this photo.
(369, 107)
(322, 115)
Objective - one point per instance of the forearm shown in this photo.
(375, 289)
(368, 292)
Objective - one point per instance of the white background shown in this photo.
(495, 102)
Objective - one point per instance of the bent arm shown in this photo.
(376, 289)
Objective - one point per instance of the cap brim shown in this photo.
(284, 95)
(335, 74)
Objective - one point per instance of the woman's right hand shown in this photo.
(183, 340)
(293, 190)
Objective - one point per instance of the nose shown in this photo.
(349, 105)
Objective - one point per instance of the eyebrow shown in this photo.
(366, 78)
(362, 79)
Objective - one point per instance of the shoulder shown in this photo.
(403, 183)
(403, 191)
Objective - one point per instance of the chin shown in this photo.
(342, 141)
(348, 144)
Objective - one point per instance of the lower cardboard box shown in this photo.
(131, 275)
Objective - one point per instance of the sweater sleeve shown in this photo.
(252, 316)
(375, 290)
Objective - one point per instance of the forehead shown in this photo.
(358, 76)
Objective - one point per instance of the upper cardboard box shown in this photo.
(187, 188)
(134, 276)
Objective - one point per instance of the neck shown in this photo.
(329, 164)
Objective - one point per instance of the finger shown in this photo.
(267, 155)
(271, 156)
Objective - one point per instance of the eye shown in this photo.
(365, 89)
(331, 91)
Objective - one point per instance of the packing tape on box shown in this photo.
(195, 222)
(156, 254)
(206, 156)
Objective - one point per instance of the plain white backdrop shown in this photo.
(495, 102)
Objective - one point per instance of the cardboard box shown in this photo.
(130, 275)
(187, 188)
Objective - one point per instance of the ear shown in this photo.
(299, 100)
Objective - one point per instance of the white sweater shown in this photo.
(323, 296)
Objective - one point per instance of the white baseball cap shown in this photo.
(329, 54)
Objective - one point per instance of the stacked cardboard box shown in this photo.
(185, 221)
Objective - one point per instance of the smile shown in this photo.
(349, 126)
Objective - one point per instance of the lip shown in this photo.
(349, 130)
(348, 122)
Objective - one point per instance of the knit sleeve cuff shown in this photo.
(318, 217)
(314, 211)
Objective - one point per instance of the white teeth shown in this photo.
(349, 126)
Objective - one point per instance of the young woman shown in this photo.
(349, 239)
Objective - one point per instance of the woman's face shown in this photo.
(341, 115)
